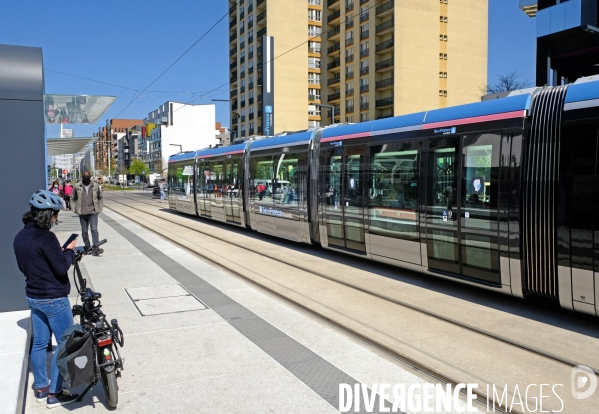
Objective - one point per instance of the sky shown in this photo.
(128, 44)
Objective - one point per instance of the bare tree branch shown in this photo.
(511, 81)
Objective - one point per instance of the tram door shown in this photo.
(231, 190)
(343, 181)
(202, 191)
(462, 196)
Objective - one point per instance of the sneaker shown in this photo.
(96, 251)
(64, 398)
(88, 249)
(42, 394)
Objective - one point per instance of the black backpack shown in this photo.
(75, 357)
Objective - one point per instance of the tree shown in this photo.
(511, 81)
(138, 167)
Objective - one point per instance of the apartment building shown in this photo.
(108, 137)
(296, 75)
(174, 127)
(368, 59)
(388, 58)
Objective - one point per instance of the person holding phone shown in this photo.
(45, 265)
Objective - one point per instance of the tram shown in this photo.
(498, 194)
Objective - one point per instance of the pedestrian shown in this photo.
(161, 188)
(89, 203)
(284, 193)
(260, 188)
(45, 266)
(68, 191)
(55, 188)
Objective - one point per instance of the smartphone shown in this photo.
(70, 240)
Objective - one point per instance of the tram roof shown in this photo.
(228, 150)
(586, 89)
(282, 140)
(190, 155)
(513, 106)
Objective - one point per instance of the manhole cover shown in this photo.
(159, 300)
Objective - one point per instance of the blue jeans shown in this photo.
(89, 221)
(46, 314)
(162, 195)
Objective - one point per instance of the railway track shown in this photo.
(129, 201)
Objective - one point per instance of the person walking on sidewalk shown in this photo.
(88, 204)
(161, 188)
(45, 266)
(68, 191)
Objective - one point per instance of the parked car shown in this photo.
(156, 190)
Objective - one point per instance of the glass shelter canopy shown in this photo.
(75, 109)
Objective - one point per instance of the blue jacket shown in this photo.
(44, 264)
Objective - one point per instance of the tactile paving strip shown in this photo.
(318, 374)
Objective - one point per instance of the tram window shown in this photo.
(393, 190)
(291, 168)
(214, 178)
(262, 172)
(181, 179)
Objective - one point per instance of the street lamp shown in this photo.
(331, 107)
(177, 145)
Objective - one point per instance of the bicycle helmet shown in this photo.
(45, 200)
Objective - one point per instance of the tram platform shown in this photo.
(198, 339)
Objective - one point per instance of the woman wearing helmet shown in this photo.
(45, 265)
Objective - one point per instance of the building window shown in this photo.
(314, 31)
(443, 93)
(443, 38)
(442, 74)
(313, 63)
(251, 95)
(314, 47)
(314, 78)
(315, 15)
(349, 35)
(349, 119)
(443, 19)
(313, 110)
(313, 124)
(445, 56)
(364, 117)
(314, 94)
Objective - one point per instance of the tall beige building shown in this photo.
(369, 59)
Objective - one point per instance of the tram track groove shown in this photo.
(395, 301)
(392, 353)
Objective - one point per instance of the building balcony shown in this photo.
(333, 34)
(314, 49)
(250, 24)
(233, 51)
(349, 41)
(242, 88)
(334, 96)
(335, 64)
(233, 37)
(385, 27)
(349, 75)
(233, 9)
(251, 101)
(250, 40)
(363, 1)
(385, 65)
(364, 34)
(335, 48)
(364, 106)
(365, 70)
(349, 7)
(233, 93)
(242, 118)
(349, 58)
(385, 102)
(234, 120)
(384, 9)
(334, 81)
(233, 78)
(364, 52)
(261, 32)
(259, 114)
(382, 47)
(241, 15)
(315, 2)
(364, 88)
(242, 104)
(251, 115)
(242, 59)
(250, 8)
(384, 116)
(364, 16)
(233, 65)
(242, 74)
(349, 109)
(232, 23)
(259, 50)
(260, 98)
(251, 55)
(242, 133)
(242, 30)
(334, 16)
(261, 17)
(259, 130)
(241, 45)
(333, 4)
(251, 70)
(349, 92)
(260, 4)
(384, 84)
(251, 85)
(234, 106)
